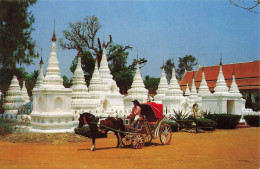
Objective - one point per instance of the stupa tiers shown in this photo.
(193, 92)
(187, 90)
(97, 89)
(221, 88)
(25, 94)
(204, 89)
(81, 98)
(174, 98)
(52, 101)
(136, 92)
(113, 104)
(14, 98)
(162, 88)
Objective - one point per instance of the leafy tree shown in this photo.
(66, 81)
(168, 69)
(124, 79)
(30, 81)
(16, 44)
(186, 63)
(82, 36)
(151, 83)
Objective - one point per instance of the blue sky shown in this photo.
(169, 29)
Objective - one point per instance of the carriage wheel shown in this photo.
(138, 141)
(127, 140)
(165, 134)
(148, 138)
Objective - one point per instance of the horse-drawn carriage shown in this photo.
(150, 126)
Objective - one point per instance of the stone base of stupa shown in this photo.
(53, 122)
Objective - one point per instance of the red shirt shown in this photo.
(135, 111)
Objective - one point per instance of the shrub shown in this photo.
(7, 126)
(202, 122)
(174, 125)
(225, 121)
(253, 120)
(180, 115)
(85, 131)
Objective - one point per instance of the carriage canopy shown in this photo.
(152, 111)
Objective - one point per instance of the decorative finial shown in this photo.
(96, 59)
(220, 59)
(233, 69)
(137, 61)
(163, 62)
(53, 39)
(41, 62)
(202, 68)
(79, 53)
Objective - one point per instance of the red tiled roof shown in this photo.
(247, 75)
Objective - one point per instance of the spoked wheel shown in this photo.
(138, 141)
(148, 138)
(127, 140)
(165, 134)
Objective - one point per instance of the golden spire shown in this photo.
(53, 39)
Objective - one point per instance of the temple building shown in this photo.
(247, 77)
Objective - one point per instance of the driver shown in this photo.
(136, 112)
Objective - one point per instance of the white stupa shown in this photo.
(52, 102)
(233, 90)
(40, 78)
(162, 88)
(187, 91)
(174, 98)
(97, 89)
(14, 98)
(137, 91)
(193, 92)
(81, 98)
(221, 88)
(25, 94)
(113, 104)
(203, 89)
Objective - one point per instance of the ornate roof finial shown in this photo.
(163, 63)
(220, 59)
(104, 44)
(202, 68)
(53, 39)
(233, 69)
(96, 59)
(137, 61)
(41, 62)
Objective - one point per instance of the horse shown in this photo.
(112, 124)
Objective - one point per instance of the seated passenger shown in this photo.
(136, 112)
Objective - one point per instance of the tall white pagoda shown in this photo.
(162, 88)
(52, 102)
(25, 94)
(137, 91)
(174, 99)
(113, 104)
(81, 98)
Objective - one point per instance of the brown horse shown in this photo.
(111, 124)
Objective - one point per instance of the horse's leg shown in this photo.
(93, 144)
(119, 140)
